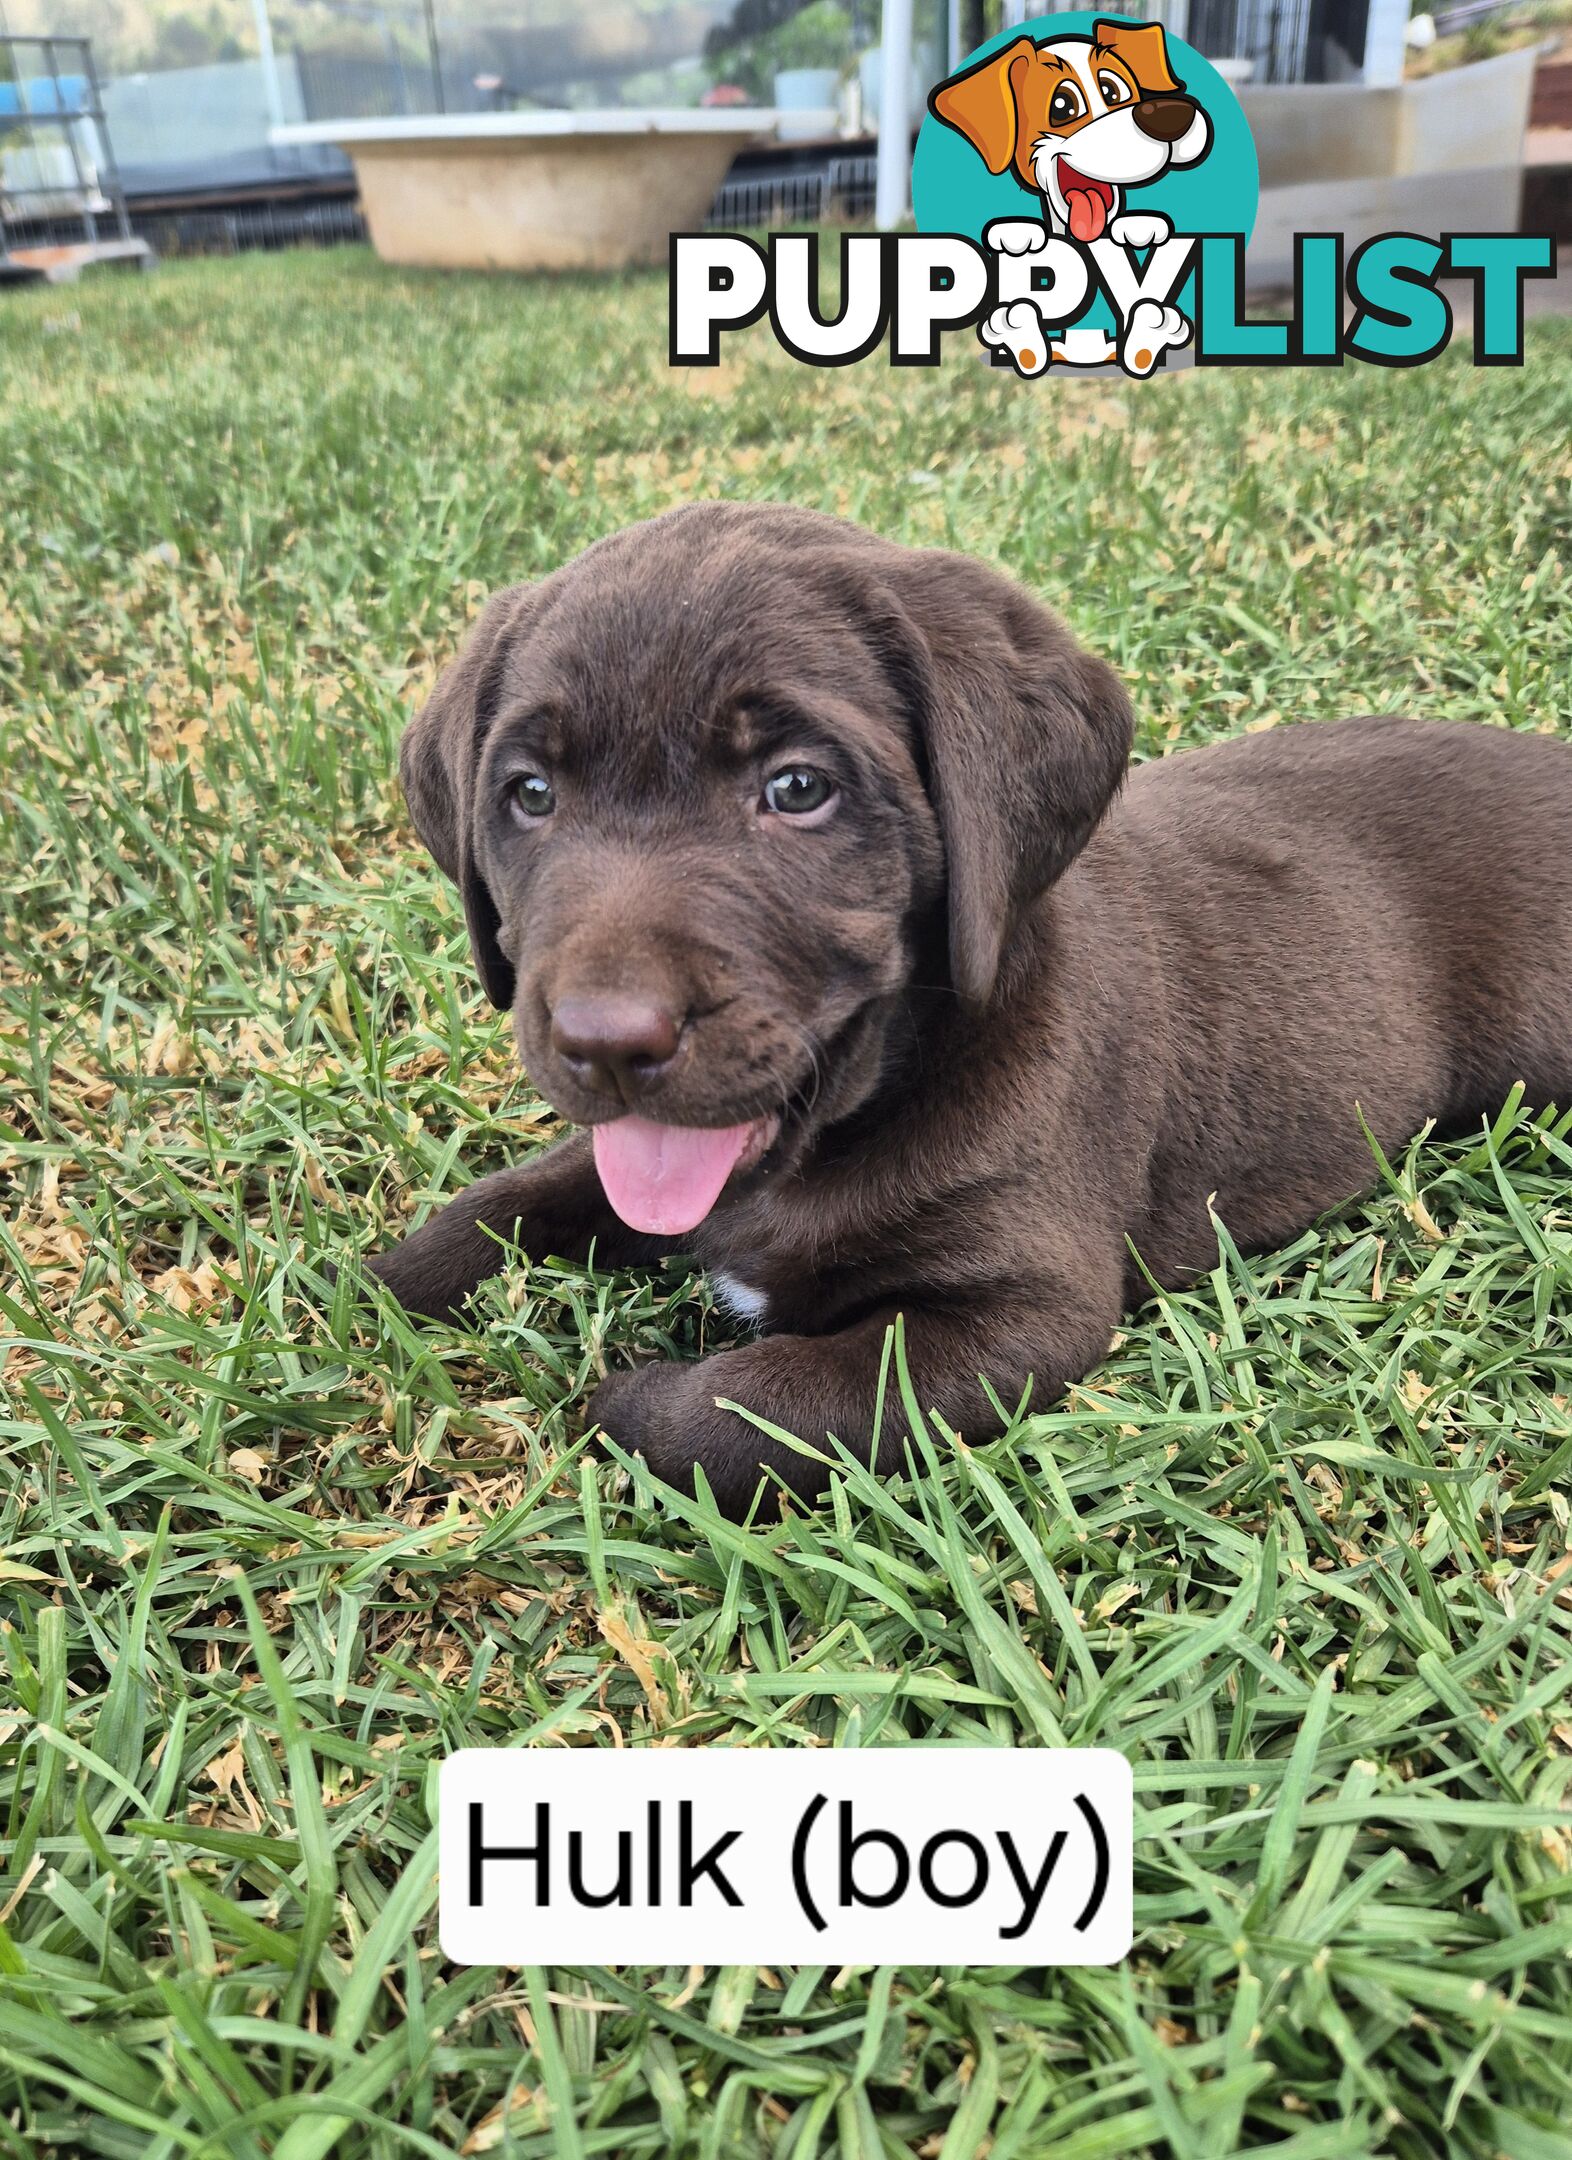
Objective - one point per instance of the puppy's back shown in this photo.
(1411, 872)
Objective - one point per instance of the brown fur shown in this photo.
(1014, 1022)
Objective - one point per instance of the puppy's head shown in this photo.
(718, 792)
(1078, 119)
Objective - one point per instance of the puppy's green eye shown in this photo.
(797, 789)
(532, 796)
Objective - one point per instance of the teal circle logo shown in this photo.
(1080, 120)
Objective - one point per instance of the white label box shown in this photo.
(739, 1856)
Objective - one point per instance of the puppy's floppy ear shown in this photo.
(1027, 737)
(438, 760)
(1144, 50)
(981, 104)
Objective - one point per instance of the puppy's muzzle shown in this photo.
(615, 1046)
(1165, 119)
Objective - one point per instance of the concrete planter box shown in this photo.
(536, 191)
(1441, 154)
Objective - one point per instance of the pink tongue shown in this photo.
(666, 1178)
(1088, 214)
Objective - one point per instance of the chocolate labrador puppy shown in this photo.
(802, 863)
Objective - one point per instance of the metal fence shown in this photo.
(56, 158)
(246, 228)
(354, 86)
(1447, 20)
(840, 189)
(385, 58)
(1274, 36)
(374, 59)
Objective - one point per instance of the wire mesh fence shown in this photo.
(56, 157)
(205, 176)
(839, 190)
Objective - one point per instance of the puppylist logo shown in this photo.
(1084, 188)
(1076, 125)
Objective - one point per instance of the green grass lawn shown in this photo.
(1300, 1547)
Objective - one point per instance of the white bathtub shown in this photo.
(536, 190)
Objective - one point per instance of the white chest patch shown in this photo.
(739, 1300)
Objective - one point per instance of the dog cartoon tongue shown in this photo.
(665, 1178)
(1087, 215)
(1085, 202)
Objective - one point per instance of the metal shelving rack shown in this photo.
(63, 101)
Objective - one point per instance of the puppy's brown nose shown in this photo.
(1164, 118)
(614, 1045)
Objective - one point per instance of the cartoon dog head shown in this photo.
(1078, 119)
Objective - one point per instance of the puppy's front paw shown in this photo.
(1016, 236)
(1140, 229)
(421, 1295)
(669, 1415)
(658, 1412)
